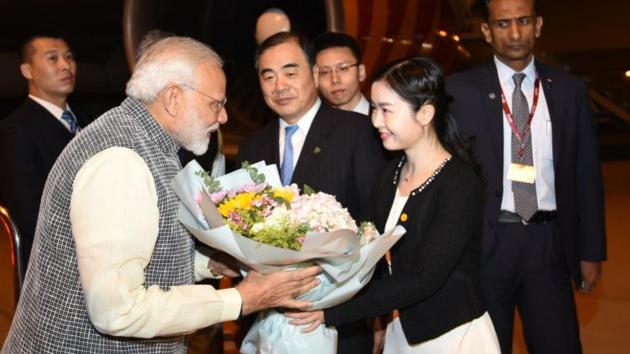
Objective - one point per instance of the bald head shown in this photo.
(271, 22)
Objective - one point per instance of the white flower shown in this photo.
(322, 212)
(257, 227)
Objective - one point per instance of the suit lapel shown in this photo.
(267, 147)
(491, 95)
(272, 146)
(49, 123)
(553, 105)
(316, 143)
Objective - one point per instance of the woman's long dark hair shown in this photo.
(420, 81)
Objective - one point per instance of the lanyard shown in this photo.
(510, 118)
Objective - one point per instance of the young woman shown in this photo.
(431, 287)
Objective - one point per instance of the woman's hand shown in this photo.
(311, 318)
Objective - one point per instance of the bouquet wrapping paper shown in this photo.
(347, 266)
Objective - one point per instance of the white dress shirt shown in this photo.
(55, 110)
(363, 106)
(115, 223)
(542, 144)
(298, 138)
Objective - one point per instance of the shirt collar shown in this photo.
(50, 107)
(505, 73)
(304, 123)
(363, 106)
(154, 130)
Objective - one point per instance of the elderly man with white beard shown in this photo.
(112, 269)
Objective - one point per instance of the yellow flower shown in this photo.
(403, 217)
(241, 201)
(284, 193)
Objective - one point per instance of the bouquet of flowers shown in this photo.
(268, 227)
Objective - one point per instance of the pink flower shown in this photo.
(253, 211)
(216, 198)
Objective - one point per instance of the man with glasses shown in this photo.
(112, 268)
(330, 150)
(341, 72)
(213, 160)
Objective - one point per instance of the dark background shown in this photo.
(589, 39)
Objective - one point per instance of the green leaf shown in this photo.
(212, 185)
(256, 176)
(308, 190)
(280, 200)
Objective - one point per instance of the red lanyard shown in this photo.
(510, 118)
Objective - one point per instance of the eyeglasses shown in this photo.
(215, 105)
(343, 68)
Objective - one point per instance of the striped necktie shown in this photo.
(69, 118)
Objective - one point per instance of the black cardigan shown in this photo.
(435, 281)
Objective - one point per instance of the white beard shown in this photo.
(194, 135)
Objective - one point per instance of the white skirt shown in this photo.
(474, 337)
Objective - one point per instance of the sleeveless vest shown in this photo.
(51, 316)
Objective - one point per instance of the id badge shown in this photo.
(521, 173)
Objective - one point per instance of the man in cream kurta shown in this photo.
(112, 268)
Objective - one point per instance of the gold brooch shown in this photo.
(403, 217)
(317, 150)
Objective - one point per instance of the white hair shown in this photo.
(172, 60)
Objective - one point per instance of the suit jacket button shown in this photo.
(497, 194)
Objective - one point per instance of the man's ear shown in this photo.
(26, 70)
(487, 34)
(172, 99)
(538, 28)
(361, 72)
(316, 75)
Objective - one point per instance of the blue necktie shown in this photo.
(286, 170)
(69, 118)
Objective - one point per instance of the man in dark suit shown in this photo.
(33, 136)
(341, 72)
(330, 150)
(544, 212)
